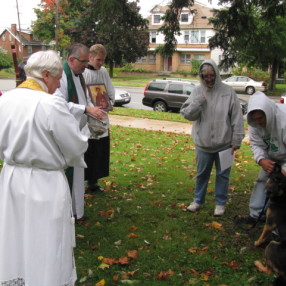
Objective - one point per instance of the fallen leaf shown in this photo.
(100, 283)
(124, 260)
(217, 225)
(132, 235)
(103, 266)
(132, 253)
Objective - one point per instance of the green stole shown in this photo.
(72, 97)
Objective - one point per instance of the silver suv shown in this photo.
(167, 94)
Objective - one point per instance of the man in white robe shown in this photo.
(73, 91)
(39, 138)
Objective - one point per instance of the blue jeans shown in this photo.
(204, 167)
(258, 196)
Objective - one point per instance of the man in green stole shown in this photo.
(73, 90)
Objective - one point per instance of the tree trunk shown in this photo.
(111, 65)
(273, 72)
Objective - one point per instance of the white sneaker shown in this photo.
(219, 210)
(193, 207)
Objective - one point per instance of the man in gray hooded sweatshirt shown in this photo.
(218, 125)
(267, 132)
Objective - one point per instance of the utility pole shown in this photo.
(19, 23)
(57, 24)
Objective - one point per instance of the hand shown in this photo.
(96, 111)
(267, 165)
(233, 148)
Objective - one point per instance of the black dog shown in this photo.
(275, 252)
(276, 211)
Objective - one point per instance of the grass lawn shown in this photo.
(137, 232)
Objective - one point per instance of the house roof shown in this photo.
(24, 40)
(201, 15)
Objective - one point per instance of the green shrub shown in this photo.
(6, 60)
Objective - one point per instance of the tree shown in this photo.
(54, 17)
(248, 32)
(117, 25)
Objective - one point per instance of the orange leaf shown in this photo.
(109, 260)
(132, 235)
(123, 260)
(115, 278)
(193, 249)
(106, 213)
(133, 228)
(217, 225)
(132, 253)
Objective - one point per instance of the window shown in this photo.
(29, 50)
(198, 37)
(10, 38)
(152, 59)
(242, 79)
(157, 86)
(195, 36)
(156, 19)
(176, 88)
(185, 59)
(203, 36)
(186, 36)
(43, 48)
(141, 60)
(153, 37)
(184, 17)
(3, 38)
(200, 58)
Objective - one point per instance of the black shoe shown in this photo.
(94, 188)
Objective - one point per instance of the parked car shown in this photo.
(0, 92)
(169, 94)
(283, 98)
(121, 97)
(245, 84)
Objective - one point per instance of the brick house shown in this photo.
(24, 42)
(191, 44)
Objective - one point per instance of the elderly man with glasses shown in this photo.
(218, 126)
(73, 90)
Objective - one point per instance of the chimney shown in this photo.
(14, 29)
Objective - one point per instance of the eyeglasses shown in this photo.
(210, 76)
(82, 61)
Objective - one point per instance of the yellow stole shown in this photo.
(31, 84)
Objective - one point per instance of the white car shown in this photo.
(121, 97)
(245, 84)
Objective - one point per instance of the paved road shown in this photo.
(136, 94)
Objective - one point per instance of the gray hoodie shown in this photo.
(217, 116)
(269, 142)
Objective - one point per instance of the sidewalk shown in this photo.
(155, 125)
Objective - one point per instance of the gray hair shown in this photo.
(75, 49)
(44, 61)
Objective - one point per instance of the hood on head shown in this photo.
(215, 67)
(259, 101)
